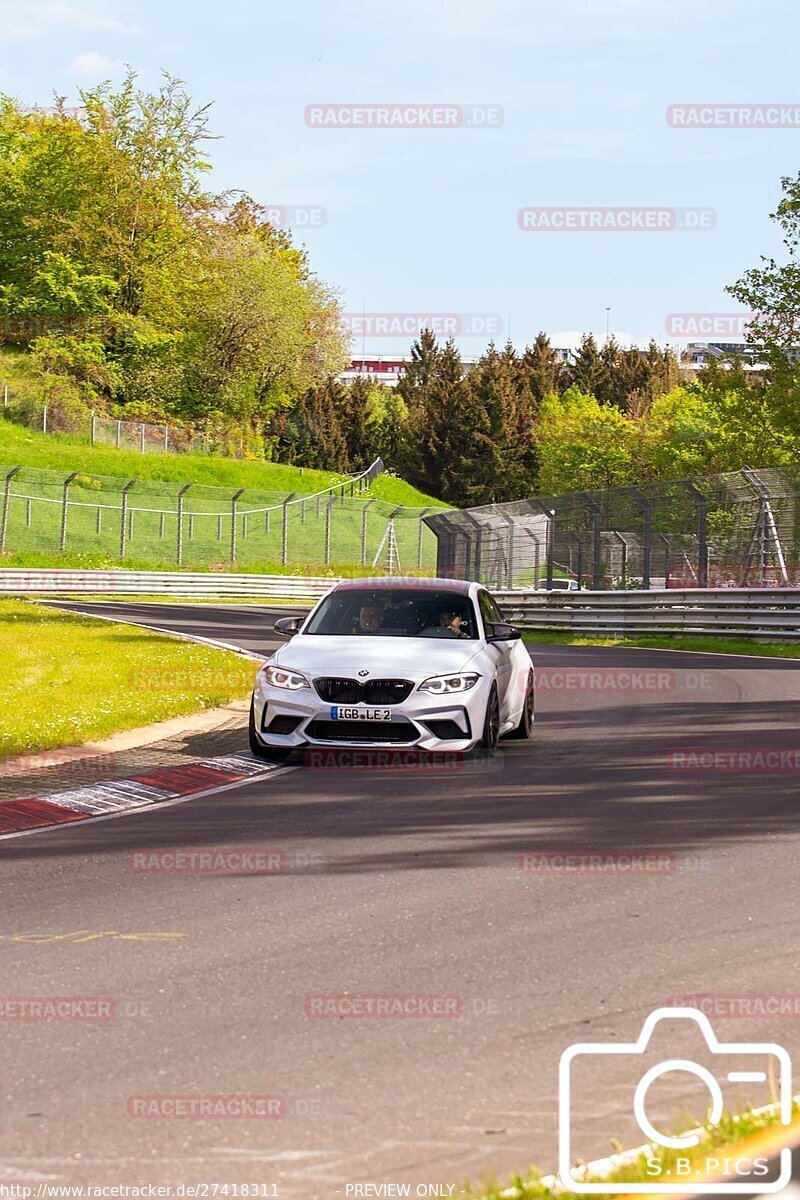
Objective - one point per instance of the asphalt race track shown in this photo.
(407, 882)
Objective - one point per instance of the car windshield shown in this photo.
(395, 612)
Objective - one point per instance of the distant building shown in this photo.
(388, 368)
(697, 355)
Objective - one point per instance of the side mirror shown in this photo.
(504, 633)
(288, 625)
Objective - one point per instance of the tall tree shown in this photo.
(356, 404)
(587, 371)
(772, 293)
(318, 438)
(541, 368)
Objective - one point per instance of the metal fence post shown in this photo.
(94, 419)
(702, 532)
(364, 532)
(166, 439)
(64, 506)
(510, 524)
(28, 512)
(141, 438)
(476, 565)
(647, 534)
(123, 515)
(234, 502)
(594, 508)
(328, 508)
(550, 538)
(419, 537)
(623, 555)
(285, 530)
(44, 419)
(6, 492)
(179, 548)
(119, 432)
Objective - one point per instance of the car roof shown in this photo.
(460, 587)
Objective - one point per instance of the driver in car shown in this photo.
(369, 619)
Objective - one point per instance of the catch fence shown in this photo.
(159, 523)
(739, 529)
(227, 440)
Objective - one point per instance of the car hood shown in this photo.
(392, 657)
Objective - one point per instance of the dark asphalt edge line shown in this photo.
(156, 807)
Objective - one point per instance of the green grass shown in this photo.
(733, 1132)
(34, 525)
(106, 562)
(69, 679)
(59, 452)
(702, 645)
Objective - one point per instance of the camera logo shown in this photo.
(756, 1055)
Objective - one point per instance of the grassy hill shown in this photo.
(319, 537)
(57, 452)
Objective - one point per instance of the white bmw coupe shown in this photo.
(428, 664)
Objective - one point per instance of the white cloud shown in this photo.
(94, 66)
(40, 20)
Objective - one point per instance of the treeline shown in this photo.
(513, 425)
(135, 289)
(137, 293)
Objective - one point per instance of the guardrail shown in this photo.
(25, 581)
(740, 612)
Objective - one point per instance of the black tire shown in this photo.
(491, 725)
(258, 750)
(525, 728)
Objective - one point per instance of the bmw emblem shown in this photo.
(363, 672)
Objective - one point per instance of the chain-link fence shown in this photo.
(229, 440)
(159, 524)
(740, 529)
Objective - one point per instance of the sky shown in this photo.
(408, 222)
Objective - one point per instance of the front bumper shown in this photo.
(421, 721)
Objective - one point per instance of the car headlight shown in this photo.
(281, 677)
(440, 685)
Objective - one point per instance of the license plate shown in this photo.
(340, 713)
